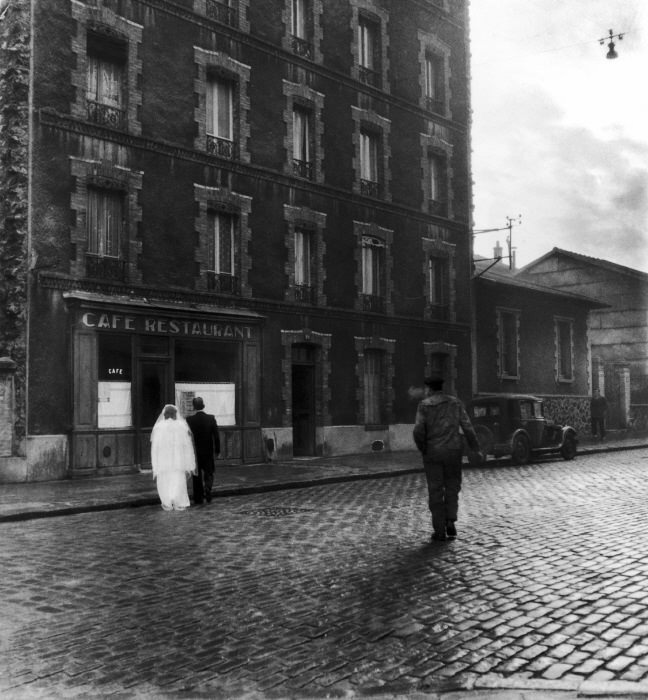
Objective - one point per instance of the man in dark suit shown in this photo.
(205, 432)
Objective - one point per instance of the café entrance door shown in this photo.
(154, 392)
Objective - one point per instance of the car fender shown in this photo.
(519, 431)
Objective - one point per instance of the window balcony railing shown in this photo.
(438, 207)
(369, 188)
(304, 293)
(105, 268)
(303, 168)
(435, 104)
(221, 12)
(373, 302)
(224, 148)
(106, 115)
(368, 76)
(302, 47)
(223, 283)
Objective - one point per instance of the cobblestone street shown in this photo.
(336, 590)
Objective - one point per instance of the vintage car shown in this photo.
(514, 425)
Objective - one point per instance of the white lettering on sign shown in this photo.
(165, 326)
(115, 370)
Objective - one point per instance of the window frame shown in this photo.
(508, 341)
(563, 324)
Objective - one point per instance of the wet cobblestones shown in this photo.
(336, 589)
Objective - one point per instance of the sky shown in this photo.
(560, 133)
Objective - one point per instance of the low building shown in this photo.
(618, 330)
(533, 339)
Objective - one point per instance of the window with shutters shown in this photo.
(220, 117)
(105, 224)
(373, 387)
(222, 275)
(369, 171)
(106, 85)
(302, 143)
(373, 274)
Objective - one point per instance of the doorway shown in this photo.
(303, 401)
(153, 392)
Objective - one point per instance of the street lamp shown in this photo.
(611, 52)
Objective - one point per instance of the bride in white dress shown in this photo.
(172, 457)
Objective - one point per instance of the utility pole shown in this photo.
(510, 222)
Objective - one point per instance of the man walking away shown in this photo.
(598, 412)
(437, 435)
(207, 443)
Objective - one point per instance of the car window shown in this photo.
(537, 407)
(479, 411)
(526, 410)
(494, 409)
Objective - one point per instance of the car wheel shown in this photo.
(521, 451)
(568, 450)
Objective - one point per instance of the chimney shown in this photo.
(497, 250)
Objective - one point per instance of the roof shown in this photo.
(596, 262)
(500, 274)
(504, 397)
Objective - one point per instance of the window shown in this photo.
(434, 82)
(437, 184)
(302, 160)
(368, 51)
(564, 349)
(373, 261)
(303, 266)
(222, 253)
(105, 93)
(220, 123)
(508, 343)
(299, 27)
(368, 164)
(438, 277)
(114, 386)
(105, 220)
(373, 381)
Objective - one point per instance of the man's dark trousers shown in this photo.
(207, 444)
(443, 474)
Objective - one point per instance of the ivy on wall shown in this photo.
(14, 136)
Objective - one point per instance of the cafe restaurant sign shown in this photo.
(161, 325)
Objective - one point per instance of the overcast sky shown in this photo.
(560, 133)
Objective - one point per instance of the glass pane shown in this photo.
(114, 388)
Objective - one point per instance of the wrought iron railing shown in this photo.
(221, 12)
(303, 168)
(439, 207)
(304, 293)
(105, 268)
(302, 47)
(106, 115)
(368, 76)
(373, 302)
(434, 104)
(223, 283)
(224, 148)
(369, 188)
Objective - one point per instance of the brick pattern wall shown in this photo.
(106, 176)
(315, 221)
(220, 199)
(239, 73)
(103, 21)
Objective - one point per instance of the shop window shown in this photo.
(209, 371)
(114, 385)
(105, 221)
(564, 349)
(373, 274)
(220, 122)
(105, 91)
(507, 326)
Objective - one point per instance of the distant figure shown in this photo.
(598, 413)
(436, 433)
(172, 458)
(205, 432)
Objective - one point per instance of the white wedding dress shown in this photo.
(172, 458)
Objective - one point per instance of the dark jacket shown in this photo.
(438, 420)
(207, 443)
